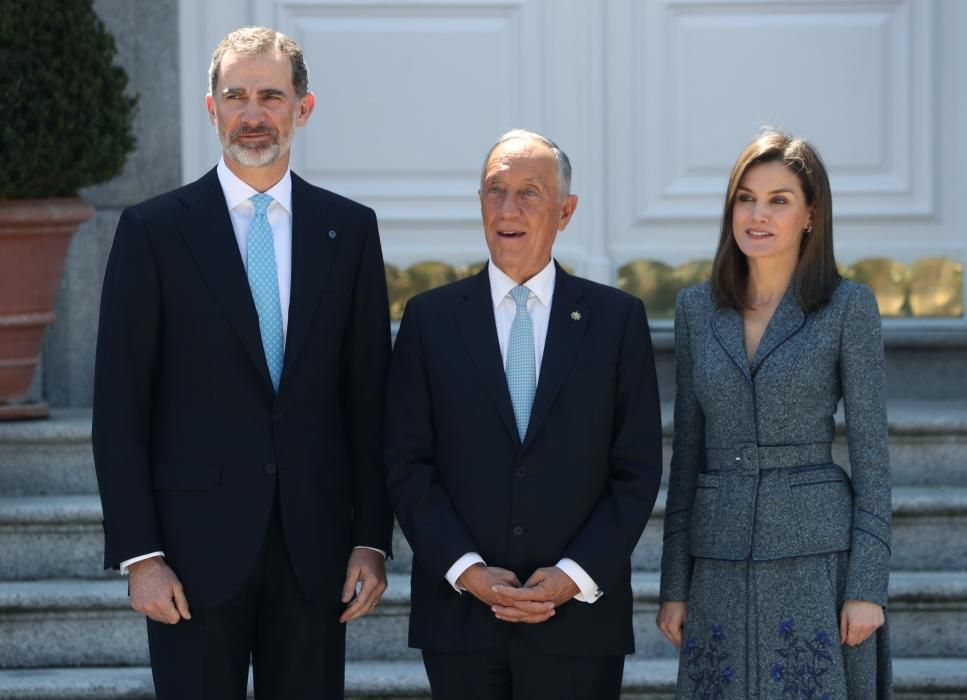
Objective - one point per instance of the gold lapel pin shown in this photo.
(575, 315)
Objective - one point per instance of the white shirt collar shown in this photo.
(540, 285)
(237, 190)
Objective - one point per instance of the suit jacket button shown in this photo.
(521, 471)
(277, 417)
(518, 530)
(270, 469)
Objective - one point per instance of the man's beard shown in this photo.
(256, 155)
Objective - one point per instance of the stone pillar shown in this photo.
(146, 34)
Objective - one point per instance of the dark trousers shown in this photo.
(514, 671)
(297, 650)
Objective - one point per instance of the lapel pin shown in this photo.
(332, 234)
(575, 315)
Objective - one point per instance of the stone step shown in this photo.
(928, 446)
(48, 456)
(51, 536)
(89, 623)
(929, 528)
(60, 536)
(644, 679)
(928, 442)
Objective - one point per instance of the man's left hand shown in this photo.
(366, 567)
(547, 584)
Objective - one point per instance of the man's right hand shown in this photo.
(480, 581)
(156, 591)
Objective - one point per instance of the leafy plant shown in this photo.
(67, 122)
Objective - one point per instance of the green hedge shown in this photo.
(66, 122)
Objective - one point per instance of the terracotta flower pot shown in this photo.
(34, 237)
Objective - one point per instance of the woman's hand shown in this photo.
(671, 620)
(858, 620)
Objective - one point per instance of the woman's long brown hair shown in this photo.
(816, 276)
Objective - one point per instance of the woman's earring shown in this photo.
(808, 229)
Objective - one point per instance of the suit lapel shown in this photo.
(786, 321)
(568, 320)
(207, 230)
(313, 251)
(475, 316)
(728, 330)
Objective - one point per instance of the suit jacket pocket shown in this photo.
(704, 527)
(804, 510)
(180, 476)
(723, 517)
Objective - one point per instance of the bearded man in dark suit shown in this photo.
(523, 452)
(242, 351)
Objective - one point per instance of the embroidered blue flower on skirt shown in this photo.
(802, 662)
(787, 628)
(688, 647)
(706, 664)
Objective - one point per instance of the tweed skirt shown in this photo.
(770, 629)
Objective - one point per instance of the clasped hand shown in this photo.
(533, 601)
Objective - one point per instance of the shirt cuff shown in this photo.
(589, 589)
(375, 549)
(134, 560)
(461, 565)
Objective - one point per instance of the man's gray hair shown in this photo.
(563, 163)
(255, 41)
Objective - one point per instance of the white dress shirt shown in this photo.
(541, 288)
(241, 209)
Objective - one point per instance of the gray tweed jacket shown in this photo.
(751, 473)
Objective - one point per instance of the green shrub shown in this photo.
(66, 122)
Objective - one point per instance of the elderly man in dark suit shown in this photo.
(523, 450)
(242, 351)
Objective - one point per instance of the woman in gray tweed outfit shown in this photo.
(775, 561)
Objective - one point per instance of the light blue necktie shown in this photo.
(521, 364)
(263, 278)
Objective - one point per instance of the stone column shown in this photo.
(146, 34)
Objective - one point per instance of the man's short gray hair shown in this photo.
(255, 41)
(563, 163)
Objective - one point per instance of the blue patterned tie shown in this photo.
(263, 278)
(521, 365)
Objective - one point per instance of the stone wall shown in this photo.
(925, 362)
(146, 33)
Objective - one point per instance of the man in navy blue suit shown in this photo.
(242, 352)
(523, 453)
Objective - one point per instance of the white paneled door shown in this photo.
(652, 99)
